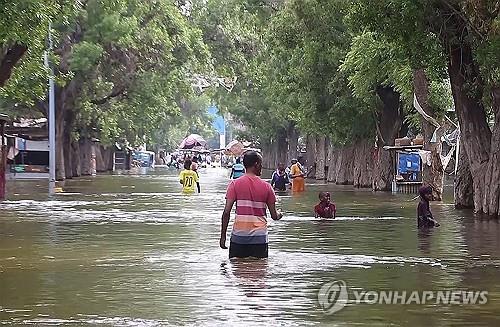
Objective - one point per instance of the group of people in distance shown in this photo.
(253, 196)
(294, 176)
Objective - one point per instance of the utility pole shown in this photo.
(52, 116)
(3, 155)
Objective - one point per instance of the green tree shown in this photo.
(123, 68)
(467, 34)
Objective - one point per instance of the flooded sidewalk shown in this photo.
(131, 250)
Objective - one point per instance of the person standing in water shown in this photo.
(249, 237)
(280, 179)
(195, 165)
(297, 174)
(425, 219)
(189, 179)
(238, 169)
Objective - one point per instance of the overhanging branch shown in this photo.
(113, 94)
(13, 54)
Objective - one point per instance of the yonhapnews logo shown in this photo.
(333, 296)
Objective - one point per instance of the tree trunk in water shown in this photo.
(68, 163)
(332, 163)
(68, 152)
(320, 157)
(107, 158)
(282, 147)
(345, 166)
(311, 155)
(383, 169)
(464, 195)
(363, 164)
(86, 156)
(329, 160)
(293, 143)
(480, 144)
(65, 101)
(388, 127)
(60, 130)
(75, 154)
(104, 158)
(432, 175)
(3, 165)
(270, 155)
(492, 201)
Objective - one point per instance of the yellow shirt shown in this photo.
(188, 179)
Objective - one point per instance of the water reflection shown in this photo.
(249, 274)
(425, 240)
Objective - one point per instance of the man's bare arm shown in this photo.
(275, 215)
(224, 222)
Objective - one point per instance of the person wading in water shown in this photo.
(238, 170)
(425, 219)
(279, 179)
(252, 195)
(297, 174)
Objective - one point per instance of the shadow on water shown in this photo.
(130, 250)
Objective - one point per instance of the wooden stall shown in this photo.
(407, 168)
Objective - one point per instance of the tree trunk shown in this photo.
(282, 147)
(432, 175)
(60, 130)
(463, 191)
(345, 166)
(3, 165)
(311, 155)
(331, 162)
(363, 164)
(86, 156)
(65, 103)
(75, 154)
(333, 155)
(320, 157)
(383, 169)
(389, 123)
(68, 151)
(492, 177)
(480, 145)
(293, 143)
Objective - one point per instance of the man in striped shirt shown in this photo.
(252, 196)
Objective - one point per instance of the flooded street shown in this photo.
(131, 250)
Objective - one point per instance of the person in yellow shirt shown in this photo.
(297, 174)
(189, 178)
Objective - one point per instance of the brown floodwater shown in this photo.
(130, 250)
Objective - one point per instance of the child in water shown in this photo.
(325, 208)
(189, 179)
(280, 179)
(424, 214)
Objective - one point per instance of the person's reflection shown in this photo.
(250, 274)
(424, 240)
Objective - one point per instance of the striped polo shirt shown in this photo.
(252, 195)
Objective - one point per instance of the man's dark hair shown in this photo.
(187, 164)
(251, 158)
(238, 160)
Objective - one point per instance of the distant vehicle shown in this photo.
(143, 159)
